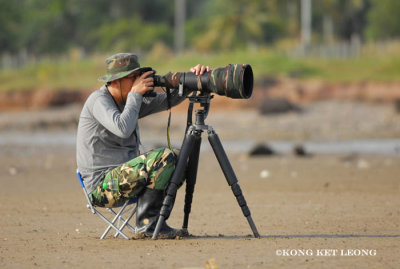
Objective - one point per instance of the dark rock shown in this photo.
(262, 150)
(266, 82)
(352, 157)
(300, 151)
(277, 106)
(397, 105)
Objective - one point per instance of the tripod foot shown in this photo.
(253, 227)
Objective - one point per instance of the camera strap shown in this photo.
(189, 121)
(168, 90)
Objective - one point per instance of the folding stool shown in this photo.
(129, 205)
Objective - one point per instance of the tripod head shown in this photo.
(201, 114)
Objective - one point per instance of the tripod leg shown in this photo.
(191, 179)
(231, 177)
(166, 208)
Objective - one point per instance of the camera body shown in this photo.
(156, 78)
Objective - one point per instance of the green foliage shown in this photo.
(52, 27)
(348, 17)
(47, 26)
(130, 34)
(384, 19)
(231, 24)
(10, 25)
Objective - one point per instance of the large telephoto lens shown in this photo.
(233, 80)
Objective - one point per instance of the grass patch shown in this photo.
(56, 74)
(264, 63)
(52, 75)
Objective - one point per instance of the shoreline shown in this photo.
(371, 147)
(297, 91)
(316, 121)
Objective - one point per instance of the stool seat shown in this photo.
(128, 208)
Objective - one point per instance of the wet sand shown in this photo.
(301, 206)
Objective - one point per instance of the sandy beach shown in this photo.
(326, 210)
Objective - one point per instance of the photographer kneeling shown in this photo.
(108, 143)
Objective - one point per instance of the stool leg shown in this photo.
(113, 221)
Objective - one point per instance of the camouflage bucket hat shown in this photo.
(119, 66)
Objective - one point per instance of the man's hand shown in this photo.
(200, 69)
(143, 83)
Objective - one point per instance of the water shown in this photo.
(40, 139)
(386, 147)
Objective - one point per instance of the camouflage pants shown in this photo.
(152, 170)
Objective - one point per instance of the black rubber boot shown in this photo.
(148, 211)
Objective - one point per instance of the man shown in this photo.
(108, 143)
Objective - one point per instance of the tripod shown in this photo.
(188, 161)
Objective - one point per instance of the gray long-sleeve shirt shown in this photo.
(108, 136)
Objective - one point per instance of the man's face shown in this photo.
(127, 82)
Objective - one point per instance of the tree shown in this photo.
(48, 26)
(10, 26)
(384, 19)
(129, 34)
(232, 23)
(343, 19)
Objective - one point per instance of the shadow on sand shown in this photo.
(290, 236)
